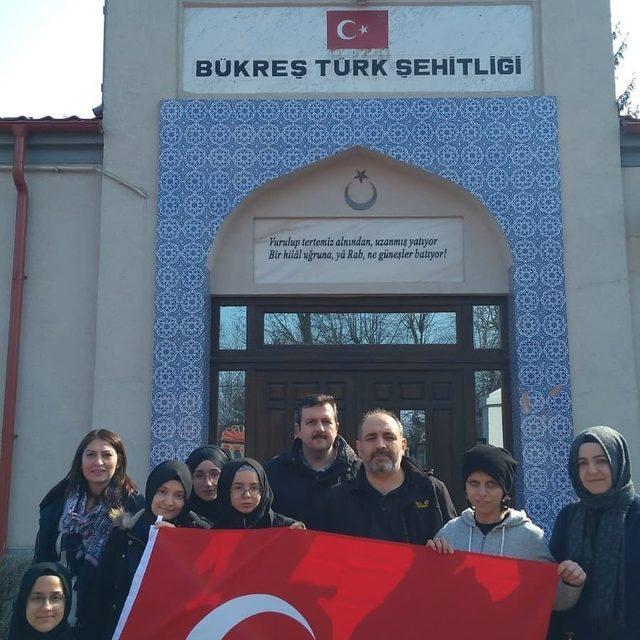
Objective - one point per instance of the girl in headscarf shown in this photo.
(167, 495)
(490, 526)
(43, 604)
(205, 464)
(602, 533)
(245, 498)
(77, 515)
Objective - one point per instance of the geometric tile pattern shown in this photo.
(503, 150)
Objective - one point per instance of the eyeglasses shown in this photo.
(39, 600)
(254, 490)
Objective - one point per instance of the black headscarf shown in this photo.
(228, 516)
(595, 532)
(206, 508)
(165, 471)
(20, 629)
(494, 461)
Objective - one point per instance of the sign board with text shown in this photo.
(322, 250)
(293, 50)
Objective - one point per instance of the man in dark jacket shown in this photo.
(318, 460)
(391, 498)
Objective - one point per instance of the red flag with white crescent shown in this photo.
(301, 585)
(357, 29)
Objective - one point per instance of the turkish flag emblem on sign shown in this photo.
(357, 29)
(301, 585)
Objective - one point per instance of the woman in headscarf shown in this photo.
(43, 604)
(167, 495)
(602, 533)
(490, 526)
(245, 498)
(205, 464)
(77, 515)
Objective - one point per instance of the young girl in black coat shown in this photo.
(167, 493)
(245, 498)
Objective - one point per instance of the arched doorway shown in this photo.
(432, 348)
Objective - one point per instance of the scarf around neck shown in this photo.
(84, 535)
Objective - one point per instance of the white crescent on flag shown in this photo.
(340, 29)
(217, 623)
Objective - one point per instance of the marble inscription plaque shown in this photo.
(318, 250)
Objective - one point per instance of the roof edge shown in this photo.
(52, 125)
(630, 125)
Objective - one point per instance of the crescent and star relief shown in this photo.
(342, 24)
(361, 176)
(217, 623)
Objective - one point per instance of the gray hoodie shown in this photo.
(515, 537)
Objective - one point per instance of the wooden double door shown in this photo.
(440, 364)
(429, 403)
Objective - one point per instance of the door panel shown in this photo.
(440, 395)
(270, 424)
(432, 400)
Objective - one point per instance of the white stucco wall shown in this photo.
(140, 69)
(55, 383)
(578, 67)
(631, 183)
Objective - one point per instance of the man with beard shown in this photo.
(391, 498)
(318, 460)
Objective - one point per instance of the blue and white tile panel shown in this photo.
(503, 150)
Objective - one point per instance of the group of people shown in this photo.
(94, 525)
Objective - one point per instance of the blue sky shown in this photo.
(51, 55)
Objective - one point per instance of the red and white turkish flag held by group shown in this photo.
(280, 583)
(357, 29)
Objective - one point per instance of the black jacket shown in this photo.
(51, 509)
(50, 513)
(298, 489)
(414, 512)
(120, 559)
(577, 620)
(118, 565)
